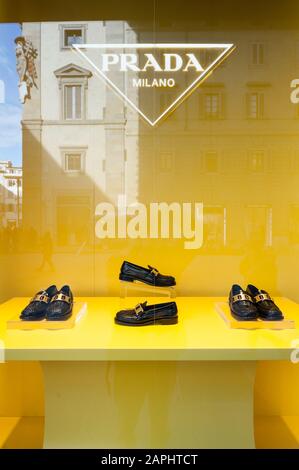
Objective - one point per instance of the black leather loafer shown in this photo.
(143, 314)
(36, 309)
(132, 272)
(241, 305)
(267, 309)
(61, 306)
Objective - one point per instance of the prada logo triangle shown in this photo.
(154, 79)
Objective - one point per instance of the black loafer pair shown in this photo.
(132, 272)
(50, 304)
(253, 304)
(143, 314)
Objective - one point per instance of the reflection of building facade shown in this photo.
(73, 135)
(233, 141)
(10, 195)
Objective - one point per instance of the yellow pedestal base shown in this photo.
(149, 404)
(25, 432)
(277, 432)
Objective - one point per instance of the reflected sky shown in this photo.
(11, 109)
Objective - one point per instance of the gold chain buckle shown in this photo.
(62, 297)
(138, 309)
(41, 298)
(241, 296)
(261, 297)
(154, 271)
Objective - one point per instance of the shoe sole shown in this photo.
(161, 321)
(33, 318)
(271, 319)
(126, 278)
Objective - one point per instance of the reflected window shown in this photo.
(256, 161)
(73, 160)
(73, 86)
(255, 105)
(73, 102)
(257, 54)
(213, 105)
(72, 34)
(215, 226)
(258, 224)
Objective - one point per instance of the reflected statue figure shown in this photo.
(26, 54)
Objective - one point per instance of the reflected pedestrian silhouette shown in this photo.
(47, 252)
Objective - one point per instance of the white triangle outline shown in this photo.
(227, 50)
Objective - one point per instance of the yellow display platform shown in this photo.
(199, 335)
(190, 385)
(79, 311)
(224, 311)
